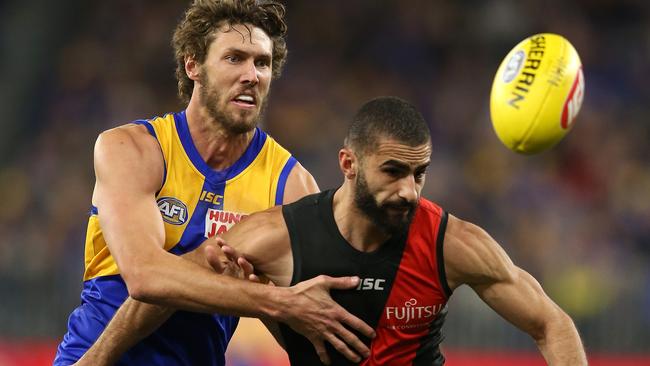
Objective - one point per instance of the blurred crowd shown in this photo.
(577, 217)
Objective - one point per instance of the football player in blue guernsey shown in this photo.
(409, 251)
(165, 185)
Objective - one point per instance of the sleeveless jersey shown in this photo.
(196, 202)
(403, 291)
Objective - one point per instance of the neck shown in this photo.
(354, 225)
(218, 147)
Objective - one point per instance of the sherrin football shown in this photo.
(537, 93)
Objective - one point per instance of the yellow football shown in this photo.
(537, 93)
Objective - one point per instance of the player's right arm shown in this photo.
(472, 257)
(132, 225)
(129, 169)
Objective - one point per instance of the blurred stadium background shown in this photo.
(577, 217)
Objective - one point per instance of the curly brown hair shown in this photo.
(196, 31)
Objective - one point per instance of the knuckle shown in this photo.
(350, 338)
(331, 328)
(339, 346)
(359, 346)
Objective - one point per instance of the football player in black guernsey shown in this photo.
(408, 252)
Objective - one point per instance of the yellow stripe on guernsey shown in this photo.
(196, 201)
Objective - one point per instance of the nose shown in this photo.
(250, 74)
(408, 189)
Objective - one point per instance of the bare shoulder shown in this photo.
(128, 154)
(127, 140)
(472, 256)
(299, 184)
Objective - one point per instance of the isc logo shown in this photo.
(371, 284)
(173, 210)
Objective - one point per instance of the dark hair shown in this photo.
(196, 31)
(386, 117)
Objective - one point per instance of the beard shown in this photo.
(380, 214)
(238, 122)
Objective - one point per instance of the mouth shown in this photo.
(245, 100)
(398, 210)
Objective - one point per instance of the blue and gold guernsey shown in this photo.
(195, 202)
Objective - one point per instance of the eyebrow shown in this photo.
(245, 52)
(402, 165)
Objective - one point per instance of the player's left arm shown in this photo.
(135, 320)
(299, 184)
(472, 257)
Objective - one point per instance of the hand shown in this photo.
(319, 318)
(245, 265)
(227, 261)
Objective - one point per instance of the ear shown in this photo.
(192, 68)
(348, 163)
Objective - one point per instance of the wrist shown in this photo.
(277, 303)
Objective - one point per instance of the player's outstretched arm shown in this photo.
(129, 170)
(306, 307)
(472, 257)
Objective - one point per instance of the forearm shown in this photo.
(561, 344)
(520, 299)
(132, 322)
(181, 284)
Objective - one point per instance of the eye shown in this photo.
(233, 59)
(393, 172)
(420, 175)
(263, 62)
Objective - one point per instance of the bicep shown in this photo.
(127, 169)
(472, 257)
(299, 184)
(263, 240)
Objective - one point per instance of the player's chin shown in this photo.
(397, 228)
(403, 215)
(246, 119)
(398, 222)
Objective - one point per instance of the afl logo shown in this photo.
(513, 66)
(173, 211)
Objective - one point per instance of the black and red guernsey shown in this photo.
(403, 291)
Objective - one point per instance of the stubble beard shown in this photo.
(235, 123)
